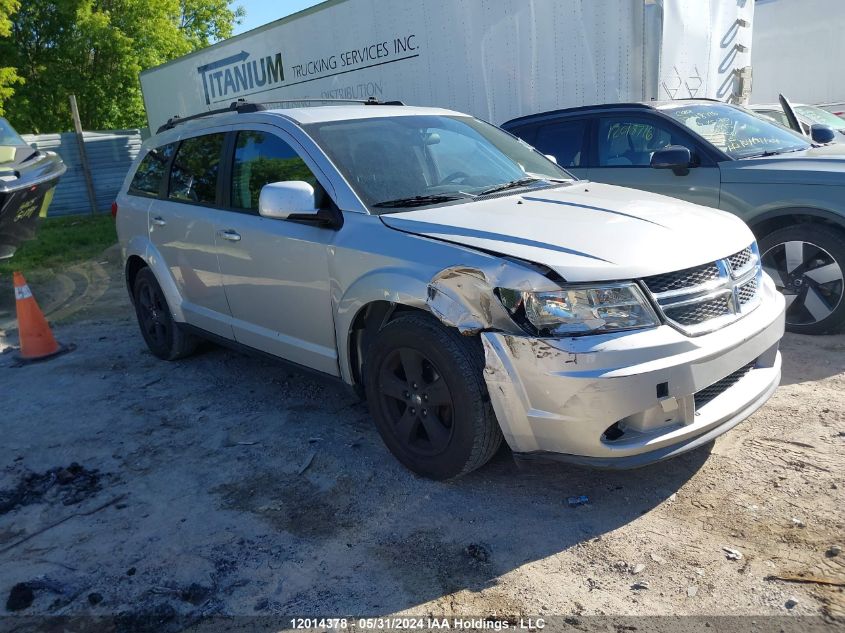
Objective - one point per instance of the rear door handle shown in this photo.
(230, 235)
(159, 221)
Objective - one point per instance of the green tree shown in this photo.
(8, 75)
(96, 50)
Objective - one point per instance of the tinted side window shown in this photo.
(193, 177)
(262, 158)
(564, 141)
(151, 170)
(628, 141)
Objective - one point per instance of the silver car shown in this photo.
(470, 288)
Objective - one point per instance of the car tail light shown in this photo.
(114, 209)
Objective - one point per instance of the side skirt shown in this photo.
(252, 351)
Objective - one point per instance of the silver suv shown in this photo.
(468, 286)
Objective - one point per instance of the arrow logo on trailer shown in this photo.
(227, 77)
(226, 61)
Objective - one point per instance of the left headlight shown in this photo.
(582, 309)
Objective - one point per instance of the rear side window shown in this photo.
(564, 141)
(150, 173)
(262, 158)
(193, 177)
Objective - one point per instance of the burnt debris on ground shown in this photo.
(68, 485)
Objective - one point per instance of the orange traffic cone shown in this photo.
(37, 342)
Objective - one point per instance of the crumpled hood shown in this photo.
(823, 165)
(586, 231)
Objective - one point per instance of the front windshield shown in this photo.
(736, 132)
(402, 161)
(8, 136)
(817, 115)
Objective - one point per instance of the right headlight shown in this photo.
(582, 309)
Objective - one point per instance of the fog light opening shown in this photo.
(612, 433)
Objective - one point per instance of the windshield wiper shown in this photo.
(776, 152)
(418, 201)
(513, 184)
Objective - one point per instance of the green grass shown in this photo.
(62, 242)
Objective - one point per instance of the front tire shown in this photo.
(426, 392)
(163, 335)
(807, 263)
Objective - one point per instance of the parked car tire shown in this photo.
(425, 389)
(164, 336)
(807, 263)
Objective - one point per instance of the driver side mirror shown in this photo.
(675, 157)
(551, 157)
(280, 200)
(822, 134)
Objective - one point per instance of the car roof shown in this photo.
(176, 129)
(322, 114)
(634, 105)
(772, 106)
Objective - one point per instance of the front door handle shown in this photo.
(159, 221)
(230, 235)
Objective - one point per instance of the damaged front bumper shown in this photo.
(629, 399)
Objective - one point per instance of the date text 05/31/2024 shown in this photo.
(422, 623)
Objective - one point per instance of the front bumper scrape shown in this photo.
(628, 399)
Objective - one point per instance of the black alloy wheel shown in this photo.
(807, 265)
(164, 336)
(152, 315)
(428, 398)
(416, 399)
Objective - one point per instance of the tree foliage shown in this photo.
(8, 75)
(96, 50)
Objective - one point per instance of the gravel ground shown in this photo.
(226, 484)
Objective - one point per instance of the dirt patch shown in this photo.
(293, 503)
(67, 485)
(425, 559)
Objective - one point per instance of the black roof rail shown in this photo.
(701, 99)
(369, 101)
(586, 108)
(242, 106)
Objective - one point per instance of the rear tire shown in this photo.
(807, 263)
(163, 335)
(426, 392)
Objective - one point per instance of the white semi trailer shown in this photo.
(799, 51)
(495, 59)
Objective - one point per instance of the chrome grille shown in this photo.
(718, 388)
(695, 313)
(740, 260)
(747, 291)
(704, 298)
(682, 279)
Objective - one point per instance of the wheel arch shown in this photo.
(776, 219)
(134, 264)
(368, 303)
(141, 254)
(368, 321)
